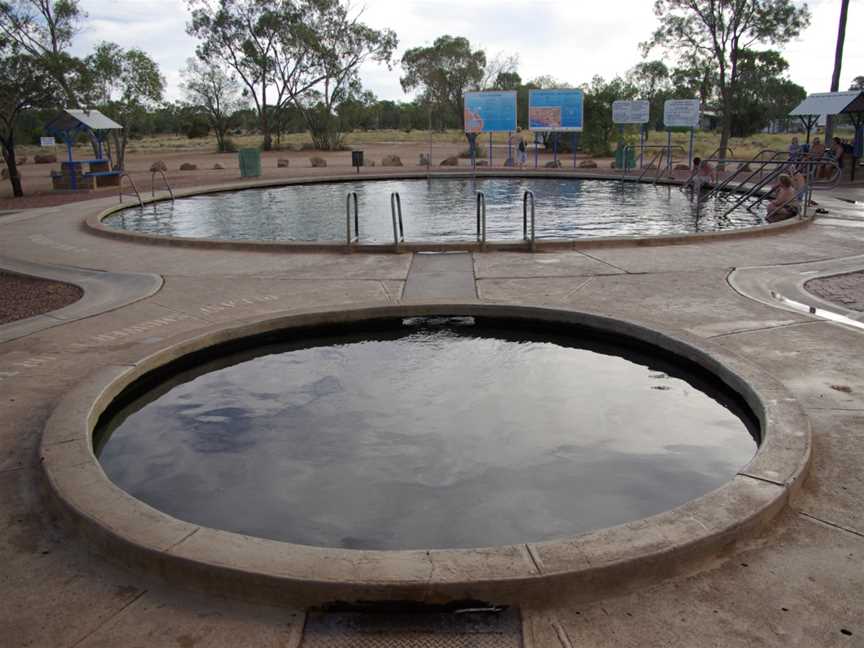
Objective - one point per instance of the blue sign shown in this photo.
(490, 112)
(555, 110)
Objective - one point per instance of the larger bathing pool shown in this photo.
(425, 433)
(437, 209)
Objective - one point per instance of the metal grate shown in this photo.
(413, 630)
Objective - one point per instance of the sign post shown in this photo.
(489, 112)
(681, 113)
(631, 112)
(554, 112)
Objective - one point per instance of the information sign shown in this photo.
(681, 113)
(490, 112)
(47, 142)
(630, 112)
(555, 110)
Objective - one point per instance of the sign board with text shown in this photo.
(630, 112)
(681, 113)
(47, 142)
(555, 110)
(490, 112)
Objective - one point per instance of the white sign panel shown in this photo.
(47, 142)
(630, 112)
(681, 113)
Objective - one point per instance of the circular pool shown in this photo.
(426, 433)
(436, 209)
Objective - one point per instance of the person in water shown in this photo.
(785, 204)
(704, 174)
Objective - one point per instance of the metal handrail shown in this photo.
(528, 194)
(123, 174)
(647, 168)
(396, 215)
(481, 218)
(164, 180)
(743, 164)
(348, 239)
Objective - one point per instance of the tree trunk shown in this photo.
(12, 166)
(838, 64)
(267, 144)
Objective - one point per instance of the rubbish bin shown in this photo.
(250, 163)
(624, 154)
(357, 159)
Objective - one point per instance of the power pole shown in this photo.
(838, 63)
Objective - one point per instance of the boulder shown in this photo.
(555, 164)
(744, 167)
(370, 163)
(218, 167)
(317, 161)
(48, 158)
(158, 166)
(509, 162)
(188, 166)
(391, 161)
(21, 160)
(450, 161)
(424, 159)
(586, 164)
(283, 163)
(682, 167)
(481, 162)
(307, 146)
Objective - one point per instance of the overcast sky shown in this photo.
(571, 40)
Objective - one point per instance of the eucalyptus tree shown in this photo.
(127, 85)
(443, 72)
(23, 85)
(718, 32)
(328, 48)
(42, 30)
(248, 36)
(215, 91)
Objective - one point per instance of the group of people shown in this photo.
(790, 190)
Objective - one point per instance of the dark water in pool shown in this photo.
(425, 437)
(438, 209)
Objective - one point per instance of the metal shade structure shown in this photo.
(834, 103)
(71, 122)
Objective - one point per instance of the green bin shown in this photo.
(619, 157)
(250, 163)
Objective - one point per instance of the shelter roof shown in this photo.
(830, 103)
(91, 119)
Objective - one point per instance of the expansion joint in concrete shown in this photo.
(833, 525)
(125, 607)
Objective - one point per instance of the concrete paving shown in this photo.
(801, 583)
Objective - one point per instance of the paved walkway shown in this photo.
(801, 584)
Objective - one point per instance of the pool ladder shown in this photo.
(352, 212)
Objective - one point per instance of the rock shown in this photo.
(586, 164)
(218, 167)
(391, 161)
(188, 166)
(370, 163)
(509, 162)
(317, 161)
(283, 163)
(612, 165)
(481, 162)
(21, 160)
(450, 161)
(4, 173)
(48, 158)
(556, 164)
(424, 159)
(744, 167)
(682, 167)
(158, 166)
(307, 146)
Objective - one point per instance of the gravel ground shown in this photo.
(846, 290)
(22, 296)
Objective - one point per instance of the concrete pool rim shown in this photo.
(587, 565)
(94, 224)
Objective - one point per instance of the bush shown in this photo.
(229, 146)
(197, 129)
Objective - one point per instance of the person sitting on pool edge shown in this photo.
(785, 204)
(704, 174)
